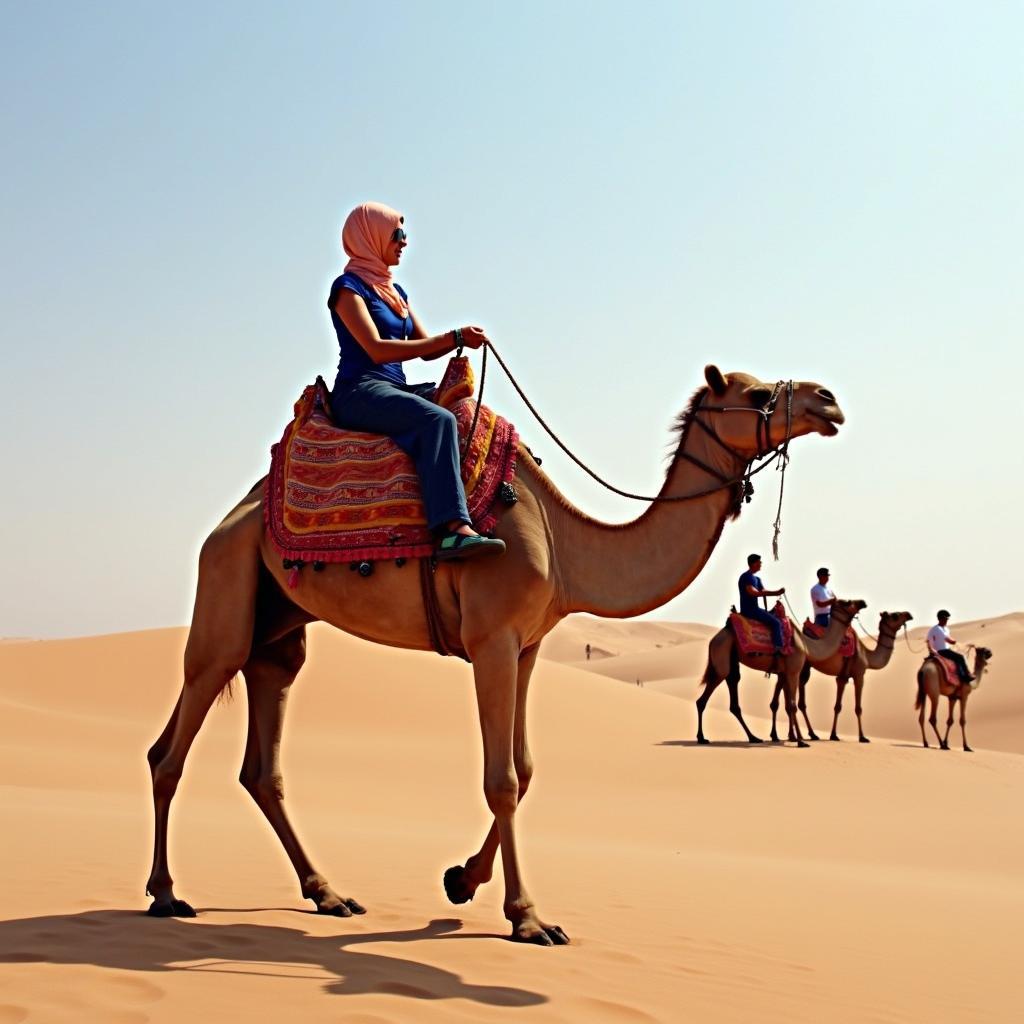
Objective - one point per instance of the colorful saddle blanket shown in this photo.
(945, 665)
(338, 495)
(754, 638)
(848, 645)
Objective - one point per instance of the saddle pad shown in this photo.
(754, 638)
(952, 676)
(847, 646)
(338, 495)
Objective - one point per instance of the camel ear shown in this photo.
(716, 381)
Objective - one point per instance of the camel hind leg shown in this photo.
(723, 664)
(218, 646)
(840, 687)
(805, 675)
(269, 674)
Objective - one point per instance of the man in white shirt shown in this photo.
(939, 641)
(822, 599)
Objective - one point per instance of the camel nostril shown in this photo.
(826, 394)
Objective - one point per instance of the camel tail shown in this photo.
(919, 702)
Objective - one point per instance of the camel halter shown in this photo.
(766, 453)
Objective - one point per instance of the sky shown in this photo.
(827, 192)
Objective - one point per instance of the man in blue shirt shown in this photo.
(751, 591)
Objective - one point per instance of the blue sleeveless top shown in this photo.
(355, 362)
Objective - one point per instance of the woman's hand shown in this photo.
(474, 337)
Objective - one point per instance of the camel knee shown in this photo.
(166, 776)
(524, 773)
(502, 794)
(264, 788)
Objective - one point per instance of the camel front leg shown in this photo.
(774, 706)
(858, 704)
(269, 674)
(495, 661)
(840, 687)
(963, 724)
(802, 705)
(944, 743)
(462, 881)
(933, 717)
(792, 688)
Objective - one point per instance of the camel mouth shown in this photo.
(830, 418)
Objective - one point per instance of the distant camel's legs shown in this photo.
(733, 682)
(774, 706)
(218, 647)
(495, 659)
(805, 675)
(840, 687)
(792, 687)
(933, 715)
(269, 674)
(858, 691)
(963, 723)
(462, 882)
(949, 721)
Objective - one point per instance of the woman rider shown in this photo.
(377, 332)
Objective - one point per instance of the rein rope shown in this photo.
(778, 453)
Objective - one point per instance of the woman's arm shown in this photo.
(356, 317)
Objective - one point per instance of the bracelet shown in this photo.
(458, 339)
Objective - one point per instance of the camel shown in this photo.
(724, 660)
(843, 669)
(932, 683)
(497, 611)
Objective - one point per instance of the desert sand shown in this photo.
(722, 883)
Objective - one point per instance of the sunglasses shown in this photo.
(399, 235)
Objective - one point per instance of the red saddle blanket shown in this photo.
(338, 495)
(754, 638)
(945, 665)
(847, 646)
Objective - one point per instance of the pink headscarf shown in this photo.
(365, 237)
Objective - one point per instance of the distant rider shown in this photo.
(822, 599)
(751, 591)
(939, 641)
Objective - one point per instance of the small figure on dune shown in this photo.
(939, 640)
(588, 652)
(751, 591)
(822, 598)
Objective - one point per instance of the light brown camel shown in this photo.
(932, 682)
(842, 669)
(558, 561)
(725, 658)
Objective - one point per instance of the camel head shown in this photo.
(845, 611)
(893, 622)
(740, 405)
(982, 656)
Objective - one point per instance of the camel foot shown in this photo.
(539, 934)
(170, 908)
(943, 746)
(925, 745)
(864, 739)
(801, 744)
(968, 750)
(834, 738)
(754, 739)
(457, 887)
(813, 736)
(335, 906)
(703, 742)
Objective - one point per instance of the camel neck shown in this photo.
(621, 570)
(879, 657)
(823, 647)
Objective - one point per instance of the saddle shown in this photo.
(848, 645)
(947, 667)
(337, 495)
(754, 638)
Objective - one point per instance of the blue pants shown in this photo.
(822, 619)
(424, 431)
(773, 622)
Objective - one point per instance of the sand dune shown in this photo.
(710, 884)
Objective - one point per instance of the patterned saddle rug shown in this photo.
(754, 638)
(945, 665)
(338, 495)
(848, 645)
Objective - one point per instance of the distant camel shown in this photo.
(932, 682)
(843, 669)
(559, 561)
(724, 660)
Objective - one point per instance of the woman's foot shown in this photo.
(453, 547)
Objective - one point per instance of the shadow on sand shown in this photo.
(130, 941)
(719, 744)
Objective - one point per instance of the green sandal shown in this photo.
(455, 546)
